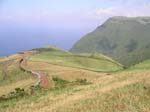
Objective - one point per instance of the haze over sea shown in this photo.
(27, 24)
(14, 40)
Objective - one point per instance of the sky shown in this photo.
(26, 24)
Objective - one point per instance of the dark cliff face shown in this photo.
(122, 38)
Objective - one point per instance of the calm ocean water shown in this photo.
(16, 40)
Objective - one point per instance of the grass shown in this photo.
(125, 99)
(75, 99)
(22, 96)
(59, 83)
(143, 65)
(1, 72)
(12, 72)
(12, 77)
(61, 86)
(77, 61)
(75, 89)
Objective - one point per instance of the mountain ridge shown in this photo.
(125, 39)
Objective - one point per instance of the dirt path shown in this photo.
(42, 79)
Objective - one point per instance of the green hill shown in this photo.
(125, 39)
(94, 62)
(75, 83)
(143, 65)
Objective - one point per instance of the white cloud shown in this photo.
(132, 11)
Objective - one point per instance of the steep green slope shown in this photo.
(126, 40)
(92, 62)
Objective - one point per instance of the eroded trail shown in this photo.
(41, 77)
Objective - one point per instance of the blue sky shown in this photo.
(71, 13)
(58, 22)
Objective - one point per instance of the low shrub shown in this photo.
(37, 87)
(59, 83)
(18, 93)
(82, 81)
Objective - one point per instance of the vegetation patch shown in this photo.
(11, 98)
(61, 83)
(19, 94)
(81, 82)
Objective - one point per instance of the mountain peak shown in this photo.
(141, 20)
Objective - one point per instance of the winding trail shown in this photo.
(99, 86)
(42, 79)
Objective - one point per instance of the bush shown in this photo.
(20, 92)
(147, 88)
(15, 94)
(37, 87)
(2, 98)
(59, 83)
(82, 81)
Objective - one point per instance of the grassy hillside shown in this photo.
(122, 91)
(124, 39)
(125, 99)
(143, 65)
(1, 76)
(75, 84)
(92, 62)
(12, 77)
